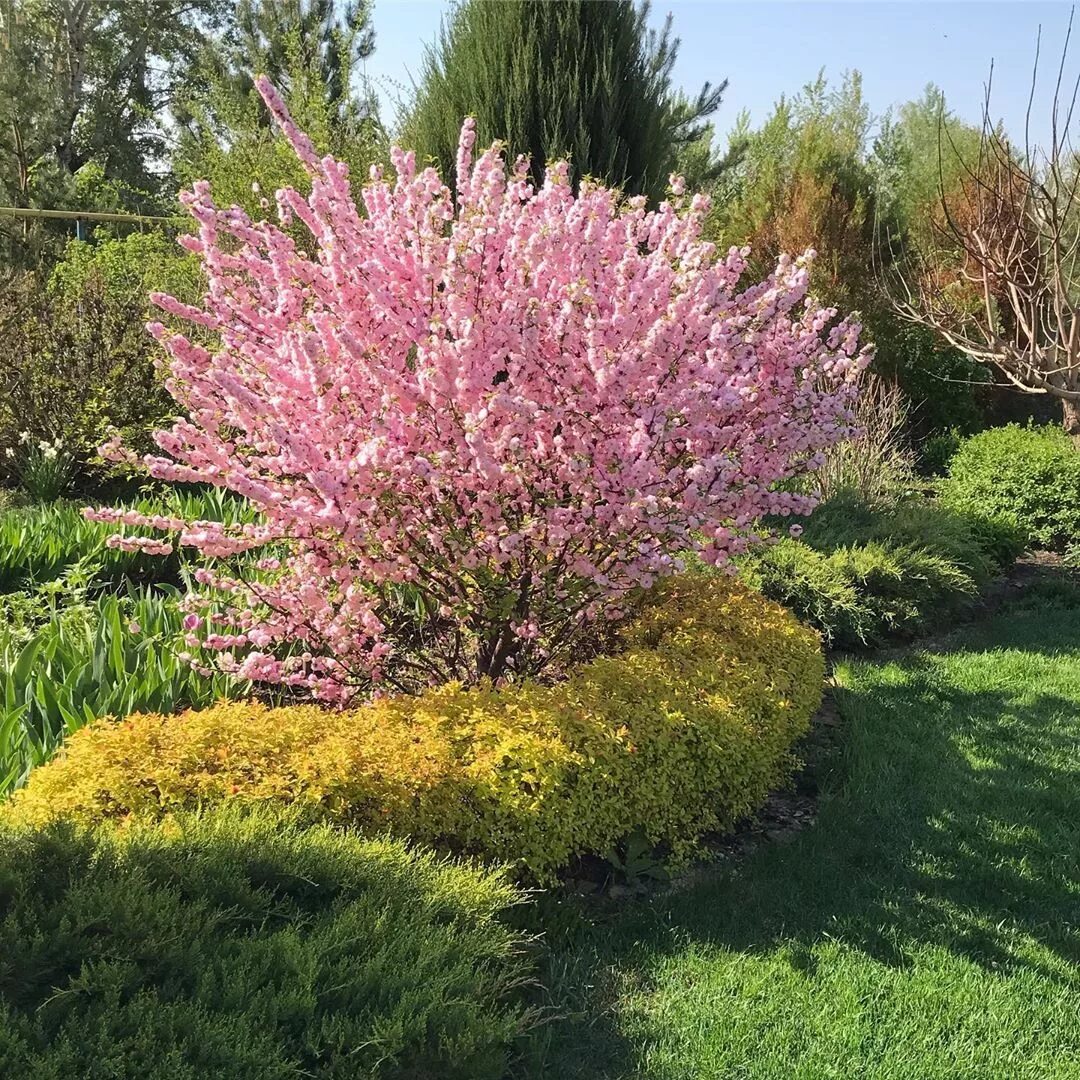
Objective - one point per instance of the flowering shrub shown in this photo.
(476, 424)
(684, 730)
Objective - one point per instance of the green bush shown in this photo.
(863, 573)
(979, 544)
(863, 594)
(75, 367)
(78, 361)
(938, 450)
(1029, 474)
(243, 947)
(127, 268)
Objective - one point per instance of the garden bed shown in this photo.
(683, 731)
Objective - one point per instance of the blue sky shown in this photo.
(767, 48)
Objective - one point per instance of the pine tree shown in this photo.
(311, 50)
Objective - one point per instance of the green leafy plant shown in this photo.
(938, 450)
(76, 366)
(243, 946)
(41, 543)
(635, 860)
(1031, 475)
(112, 657)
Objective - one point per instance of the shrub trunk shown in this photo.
(1070, 418)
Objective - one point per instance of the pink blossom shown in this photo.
(521, 403)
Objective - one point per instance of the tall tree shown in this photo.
(291, 39)
(584, 78)
(809, 177)
(803, 182)
(82, 86)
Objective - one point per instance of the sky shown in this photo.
(768, 48)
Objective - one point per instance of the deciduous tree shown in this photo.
(997, 278)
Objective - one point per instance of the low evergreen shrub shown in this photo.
(861, 594)
(240, 946)
(980, 544)
(684, 730)
(862, 573)
(1030, 474)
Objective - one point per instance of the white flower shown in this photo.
(58, 442)
(48, 452)
(44, 445)
(255, 187)
(9, 452)
(24, 437)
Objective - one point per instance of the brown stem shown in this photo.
(1070, 418)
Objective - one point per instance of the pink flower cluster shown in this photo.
(475, 421)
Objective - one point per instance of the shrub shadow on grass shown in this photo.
(950, 820)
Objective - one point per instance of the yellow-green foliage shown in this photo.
(682, 731)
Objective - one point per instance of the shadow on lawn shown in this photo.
(952, 818)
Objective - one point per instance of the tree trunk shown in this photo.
(1070, 418)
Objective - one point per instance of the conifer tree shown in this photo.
(583, 78)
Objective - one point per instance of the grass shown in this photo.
(927, 926)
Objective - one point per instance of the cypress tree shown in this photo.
(586, 79)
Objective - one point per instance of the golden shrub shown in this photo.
(685, 729)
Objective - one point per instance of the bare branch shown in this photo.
(997, 279)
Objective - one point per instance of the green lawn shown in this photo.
(927, 927)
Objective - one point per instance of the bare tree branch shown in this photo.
(998, 278)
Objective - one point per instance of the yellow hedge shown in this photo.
(682, 731)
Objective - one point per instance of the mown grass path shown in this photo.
(928, 926)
